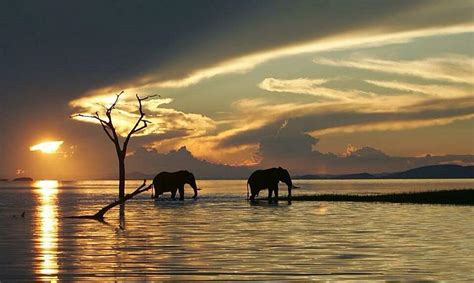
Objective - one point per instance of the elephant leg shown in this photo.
(252, 199)
(173, 194)
(276, 194)
(270, 191)
(157, 190)
(253, 195)
(181, 193)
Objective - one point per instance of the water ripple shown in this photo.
(221, 237)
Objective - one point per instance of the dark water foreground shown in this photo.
(220, 236)
(452, 197)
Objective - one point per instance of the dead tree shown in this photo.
(108, 127)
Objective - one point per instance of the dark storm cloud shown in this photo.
(85, 44)
(70, 47)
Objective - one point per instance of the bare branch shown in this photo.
(105, 125)
(109, 123)
(145, 124)
(109, 110)
(95, 116)
(101, 105)
(136, 127)
(106, 129)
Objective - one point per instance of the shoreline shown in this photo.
(451, 197)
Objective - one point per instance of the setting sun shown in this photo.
(47, 147)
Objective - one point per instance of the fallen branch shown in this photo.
(100, 214)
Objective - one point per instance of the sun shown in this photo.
(47, 147)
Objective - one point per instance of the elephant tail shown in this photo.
(248, 191)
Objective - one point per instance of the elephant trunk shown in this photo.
(194, 186)
(289, 183)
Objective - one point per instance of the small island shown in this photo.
(23, 179)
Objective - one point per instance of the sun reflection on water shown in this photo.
(47, 228)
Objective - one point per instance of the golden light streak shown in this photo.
(47, 228)
(47, 147)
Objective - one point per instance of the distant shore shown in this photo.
(452, 197)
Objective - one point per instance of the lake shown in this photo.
(220, 236)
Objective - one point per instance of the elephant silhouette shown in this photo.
(174, 181)
(268, 179)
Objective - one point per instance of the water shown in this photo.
(221, 237)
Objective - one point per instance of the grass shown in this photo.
(453, 197)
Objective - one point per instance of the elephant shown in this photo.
(174, 181)
(268, 179)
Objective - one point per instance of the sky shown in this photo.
(317, 87)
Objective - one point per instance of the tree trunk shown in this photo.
(121, 159)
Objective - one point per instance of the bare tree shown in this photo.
(108, 127)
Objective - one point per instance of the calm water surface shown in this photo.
(221, 237)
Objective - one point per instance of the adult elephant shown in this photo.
(174, 181)
(268, 179)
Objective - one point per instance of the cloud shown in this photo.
(151, 162)
(306, 160)
(290, 150)
(342, 40)
(234, 140)
(450, 68)
(366, 152)
(308, 86)
(434, 90)
(163, 120)
(243, 64)
(223, 140)
(392, 125)
(359, 39)
(376, 114)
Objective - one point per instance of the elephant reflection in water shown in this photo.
(174, 181)
(268, 179)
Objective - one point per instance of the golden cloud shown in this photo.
(162, 120)
(452, 68)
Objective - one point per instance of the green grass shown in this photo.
(453, 197)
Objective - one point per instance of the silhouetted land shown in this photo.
(445, 171)
(23, 179)
(454, 197)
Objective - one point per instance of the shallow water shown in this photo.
(221, 237)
